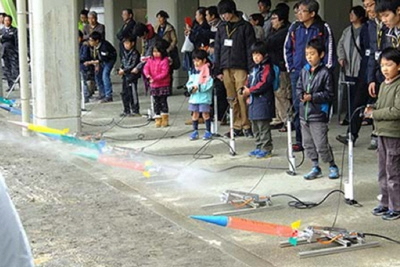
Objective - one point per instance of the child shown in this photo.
(315, 92)
(156, 70)
(386, 115)
(84, 55)
(257, 20)
(200, 86)
(261, 102)
(130, 75)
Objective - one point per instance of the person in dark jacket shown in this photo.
(130, 75)
(275, 42)
(233, 60)
(310, 26)
(104, 57)
(315, 92)
(201, 30)
(260, 91)
(9, 41)
(126, 29)
(84, 55)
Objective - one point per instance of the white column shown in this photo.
(55, 65)
(109, 21)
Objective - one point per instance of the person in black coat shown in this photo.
(260, 91)
(9, 41)
(126, 29)
(233, 60)
(275, 42)
(104, 57)
(130, 75)
(200, 32)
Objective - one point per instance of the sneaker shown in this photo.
(194, 136)
(263, 154)
(380, 210)
(236, 133)
(333, 172)
(106, 100)
(254, 152)
(373, 145)
(297, 148)
(124, 114)
(207, 135)
(313, 174)
(391, 215)
(248, 133)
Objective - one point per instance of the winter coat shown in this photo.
(275, 42)
(297, 38)
(320, 85)
(158, 70)
(237, 53)
(106, 52)
(169, 35)
(130, 59)
(346, 42)
(9, 39)
(262, 99)
(387, 111)
(84, 55)
(366, 52)
(148, 44)
(126, 30)
(204, 94)
(88, 29)
(376, 44)
(199, 35)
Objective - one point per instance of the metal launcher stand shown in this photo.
(349, 182)
(232, 147)
(291, 157)
(241, 202)
(344, 240)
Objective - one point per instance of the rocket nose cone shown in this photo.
(218, 220)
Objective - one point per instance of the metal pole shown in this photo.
(23, 62)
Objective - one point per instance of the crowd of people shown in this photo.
(265, 68)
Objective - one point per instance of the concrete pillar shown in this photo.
(55, 69)
(109, 20)
(177, 11)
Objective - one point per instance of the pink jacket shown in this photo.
(158, 70)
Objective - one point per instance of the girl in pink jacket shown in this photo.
(157, 71)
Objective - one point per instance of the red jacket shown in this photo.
(158, 70)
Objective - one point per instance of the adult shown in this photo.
(233, 60)
(361, 92)
(2, 15)
(166, 31)
(9, 41)
(127, 28)
(309, 26)
(83, 19)
(93, 26)
(264, 6)
(350, 54)
(275, 42)
(104, 57)
(199, 33)
(212, 17)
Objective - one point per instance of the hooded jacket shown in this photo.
(158, 69)
(319, 84)
(297, 39)
(232, 45)
(262, 99)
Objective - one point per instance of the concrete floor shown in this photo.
(186, 181)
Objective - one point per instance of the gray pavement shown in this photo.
(186, 181)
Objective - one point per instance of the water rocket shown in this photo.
(254, 226)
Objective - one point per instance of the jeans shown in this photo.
(103, 79)
(294, 76)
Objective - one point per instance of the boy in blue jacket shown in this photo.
(261, 100)
(200, 86)
(315, 92)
